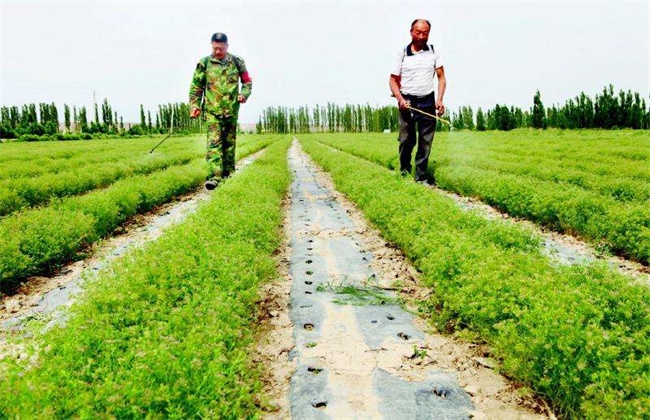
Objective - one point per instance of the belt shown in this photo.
(419, 97)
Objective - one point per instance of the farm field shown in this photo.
(167, 330)
(556, 328)
(591, 184)
(38, 239)
(36, 183)
(171, 330)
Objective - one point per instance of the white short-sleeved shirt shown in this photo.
(417, 70)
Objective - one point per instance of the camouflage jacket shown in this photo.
(215, 88)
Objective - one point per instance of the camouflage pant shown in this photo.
(220, 156)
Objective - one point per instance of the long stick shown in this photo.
(171, 131)
(161, 142)
(429, 115)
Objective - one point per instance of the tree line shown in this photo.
(606, 111)
(33, 122)
(328, 118)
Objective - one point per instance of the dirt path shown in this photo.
(338, 344)
(43, 297)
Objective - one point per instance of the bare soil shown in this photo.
(492, 395)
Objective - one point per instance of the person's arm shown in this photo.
(442, 85)
(394, 83)
(246, 82)
(196, 90)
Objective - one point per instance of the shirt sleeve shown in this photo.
(246, 79)
(397, 64)
(438, 58)
(197, 86)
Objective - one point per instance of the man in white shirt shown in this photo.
(411, 82)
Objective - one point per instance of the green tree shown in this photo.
(66, 117)
(539, 116)
(480, 120)
(259, 126)
(457, 120)
(468, 117)
(143, 121)
(107, 117)
(83, 120)
(97, 116)
(75, 119)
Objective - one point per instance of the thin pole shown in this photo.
(161, 142)
(171, 131)
(429, 115)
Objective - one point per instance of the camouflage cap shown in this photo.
(219, 37)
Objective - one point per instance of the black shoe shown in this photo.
(211, 184)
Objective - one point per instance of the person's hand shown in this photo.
(195, 112)
(241, 99)
(440, 108)
(403, 103)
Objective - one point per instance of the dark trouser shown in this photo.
(426, 127)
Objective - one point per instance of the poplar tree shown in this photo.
(96, 115)
(143, 121)
(66, 117)
(75, 119)
(480, 120)
(539, 116)
(83, 120)
(468, 117)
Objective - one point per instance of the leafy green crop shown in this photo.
(578, 336)
(593, 184)
(36, 240)
(36, 181)
(167, 331)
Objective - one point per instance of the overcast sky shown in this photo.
(301, 53)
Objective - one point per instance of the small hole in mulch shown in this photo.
(440, 391)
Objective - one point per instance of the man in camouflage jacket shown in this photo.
(215, 90)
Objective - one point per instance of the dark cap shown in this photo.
(219, 37)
